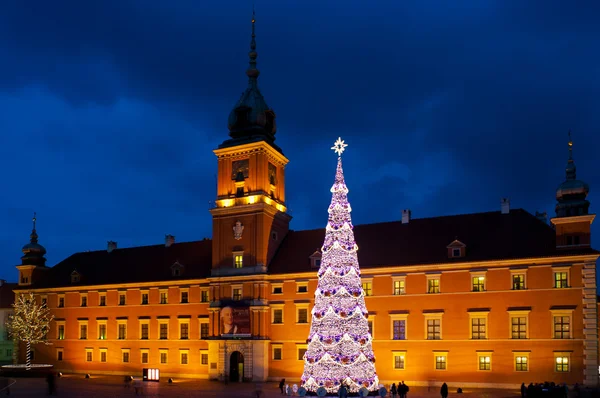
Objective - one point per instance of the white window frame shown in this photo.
(161, 322)
(142, 352)
(207, 295)
(88, 350)
(100, 295)
(142, 292)
(202, 321)
(124, 294)
(300, 306)
(235, 254)
(59, 323)
(556, 270)
(514, 272)
(485, 354)
(437, 277)
(431, 316)
(521, 314)
(562, 313)
(398, 353)
(479, 274)
(105, 351)
(182, 352)
(100, 322)
(119, 323)
(276, 285)
(276, 346)
(301, 284)
(277, 307)
(160, 293)
(87, 327)
(518, 354)
(440, 354)
(298, 348)
(81, 297)
(126, 351)
(204, 352)
(184, 321)
(401, 279)
(163, 351)
(398, 317)
(479, 315)
(143, 322)
(184, 290)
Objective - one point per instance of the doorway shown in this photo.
(236, 366)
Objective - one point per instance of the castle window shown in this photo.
(204, 296)
(367, 286)
(121, 298)
(60, 330)
(238, 259)
(521, 361)
(478, 282)
(122, 330)
(456, 252)
(204, 329)
(88, 354)
(485, 361)
(203, 357)
(144, 329)
(518, 281)
(433, 284)
(103, 352)
(177, 269)
(399, 360)
(399, 285)
(277, 288)
(184, 329)
(101, 329)
(84, 300)
(301, 351)
(236, 293)
(61, 301)
(441, 360)
(561, 278)
(562, 360)
(125, 354)
(315, 259)
(163, 297)
(184, 297)
(164, 356)
(102, 302)
(277, 352)
(302, 287)
(144, 298)
(145, 354)
(75, 277)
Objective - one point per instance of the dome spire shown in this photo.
(571, 169)
(252, 71)
(33, 238)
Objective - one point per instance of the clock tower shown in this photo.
(250, 217)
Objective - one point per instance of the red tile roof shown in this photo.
(487, 236)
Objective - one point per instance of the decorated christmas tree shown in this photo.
(339, 344)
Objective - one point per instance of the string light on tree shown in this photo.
(340, 345)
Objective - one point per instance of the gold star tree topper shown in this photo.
(339, 147)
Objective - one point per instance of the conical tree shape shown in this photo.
(339, 348)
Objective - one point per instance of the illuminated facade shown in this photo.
(488, 299)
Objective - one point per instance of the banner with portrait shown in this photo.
(235, 321)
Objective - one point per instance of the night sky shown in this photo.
(111, 110)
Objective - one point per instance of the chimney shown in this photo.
(111, 246)
(505, 206)
(405, 216)
(169, 240)
(542, 216)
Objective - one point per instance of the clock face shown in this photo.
(239, 166)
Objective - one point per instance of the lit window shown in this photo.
(440, 362)
(519, 327)
(237, 293)
(518, 281)
(399, 360)
(562, 363)
(204, 296)
(102, 331)
(478, 328)
(521, 363)
(479, 283)
(399, 287)
(562, 327)
(238, 260)
(434, 329)
(485, 362)
(367, 288)
(561, 280)
(61, 331)
(433, 286)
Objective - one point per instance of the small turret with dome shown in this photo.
(571, 194)
(33, 252)
(251, 119)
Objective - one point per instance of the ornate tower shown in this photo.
(33, 259)
(572, 221)
(250, 218)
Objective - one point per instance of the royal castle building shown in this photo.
(486, 299)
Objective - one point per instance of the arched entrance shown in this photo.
(236, 366)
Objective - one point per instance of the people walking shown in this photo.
(444, 391)
(50, 379)
(281, 385)
(523, 390)
(393, 390)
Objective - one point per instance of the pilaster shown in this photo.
(590, 326)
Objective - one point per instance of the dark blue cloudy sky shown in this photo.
(110, 110)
